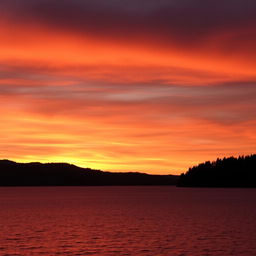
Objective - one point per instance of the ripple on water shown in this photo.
(141, 221)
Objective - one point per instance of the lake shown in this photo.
(138, 221)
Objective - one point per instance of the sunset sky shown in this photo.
(127, 85)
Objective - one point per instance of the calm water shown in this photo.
(127, 221)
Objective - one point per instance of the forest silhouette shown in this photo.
(63, 174)
(226, 172)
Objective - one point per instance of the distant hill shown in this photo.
(62, 174)
(226, 172)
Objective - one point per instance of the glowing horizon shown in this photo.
(155, 86)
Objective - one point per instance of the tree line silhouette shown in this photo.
(62, 174)
(226, 172)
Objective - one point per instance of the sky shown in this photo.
(153, 85)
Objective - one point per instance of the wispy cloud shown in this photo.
(149, 85)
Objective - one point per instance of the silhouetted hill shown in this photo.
(226, 172)
(62, 174)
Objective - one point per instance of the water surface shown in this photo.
(138, 221)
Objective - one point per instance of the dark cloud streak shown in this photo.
(182, 21)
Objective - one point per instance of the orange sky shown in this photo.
(134, 95)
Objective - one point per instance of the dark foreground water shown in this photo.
(153, 221)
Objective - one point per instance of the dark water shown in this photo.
(157, 221)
